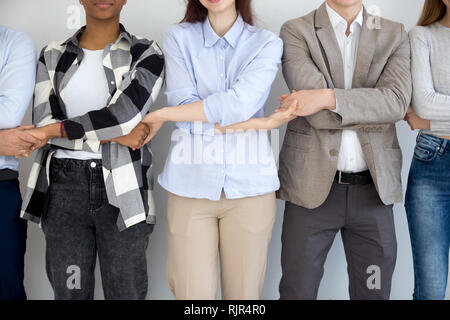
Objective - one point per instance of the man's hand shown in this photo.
(416, 122)
(310, 102)
(17, 141)
(40, 134)
(136, 138)
(281, 117)
(274, 121)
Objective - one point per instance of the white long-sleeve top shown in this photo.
(430, 68)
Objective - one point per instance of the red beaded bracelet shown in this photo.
(61, 129)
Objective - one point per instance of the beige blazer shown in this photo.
(380, 97)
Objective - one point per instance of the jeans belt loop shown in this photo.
(443, 146)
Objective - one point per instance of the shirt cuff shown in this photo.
(337, 107)
(73, 129)
(439, 126)
(210, 111)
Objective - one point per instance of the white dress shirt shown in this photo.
(351, 157)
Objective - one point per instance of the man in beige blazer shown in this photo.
(340, 162)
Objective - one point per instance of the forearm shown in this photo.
(251, 124)
(326, 98)
(3, 147)
(371, 105)
(190, 112)
(432, 105)
(54, 131)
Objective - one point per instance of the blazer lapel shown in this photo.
(366, 50)
(330, 47)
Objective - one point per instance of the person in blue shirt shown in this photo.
(221, 187)
(17, 77)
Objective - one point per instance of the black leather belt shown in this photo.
(359, 178)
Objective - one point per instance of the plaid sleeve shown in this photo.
(132, 100)
(46, 108)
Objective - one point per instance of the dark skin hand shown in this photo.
(134, 140)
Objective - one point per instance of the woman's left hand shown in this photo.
(416, 122)
(39, 133)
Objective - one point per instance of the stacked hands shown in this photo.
(22, 141)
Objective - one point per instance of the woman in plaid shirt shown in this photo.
(90, 186)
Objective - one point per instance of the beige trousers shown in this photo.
(237, 229)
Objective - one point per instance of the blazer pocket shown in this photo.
(297, 140)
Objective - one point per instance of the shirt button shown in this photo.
(222, 171)
(93, 164)
(333, 152)
(113, 83)
(221, 75)
(221, 57)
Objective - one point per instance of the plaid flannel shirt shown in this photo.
(134, 68)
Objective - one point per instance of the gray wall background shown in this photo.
(46, 20)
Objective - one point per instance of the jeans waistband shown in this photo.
(440, 143)
(75, 163)
(94, 165)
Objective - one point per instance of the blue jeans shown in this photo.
(428, 210)
(13, 236)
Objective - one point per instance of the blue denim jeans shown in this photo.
(428, 210)
(79, 225)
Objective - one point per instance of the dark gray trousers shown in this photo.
(368, 233)
(79, 224)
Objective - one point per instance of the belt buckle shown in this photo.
(340, 179)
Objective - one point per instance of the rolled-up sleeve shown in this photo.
(180, 82)
(17, 80)
(245, 97)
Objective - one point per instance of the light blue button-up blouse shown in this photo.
(17, 77)
(233, 76)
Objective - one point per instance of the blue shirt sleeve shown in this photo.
(17, 79)
(180, 82)
(243, 99)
